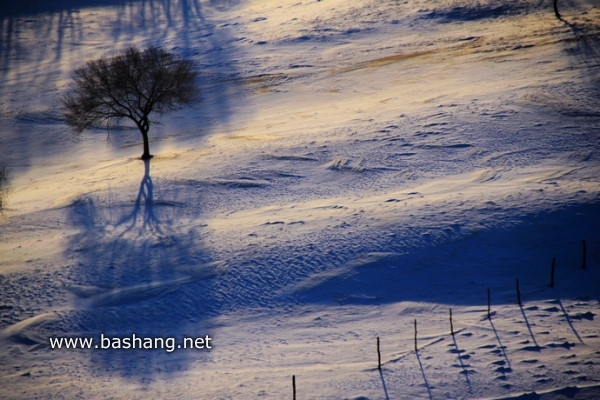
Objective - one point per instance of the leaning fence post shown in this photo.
(518, 293)
(451, 326)
(378, 355)
(294, 385)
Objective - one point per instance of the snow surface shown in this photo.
(354, 167)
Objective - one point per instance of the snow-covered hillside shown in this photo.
(354, 168)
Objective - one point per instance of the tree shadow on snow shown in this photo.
(42, 42)
(140, 270)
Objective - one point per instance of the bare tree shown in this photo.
(130, 85)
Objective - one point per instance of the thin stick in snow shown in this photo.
(556, 13)
(518, 293)
(294, 385)
(451, 326)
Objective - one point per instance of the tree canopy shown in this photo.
(130, 85)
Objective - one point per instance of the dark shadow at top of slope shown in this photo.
(458, 271)
(32, 7)
(138, 269)
(25, 8)
(39, 51)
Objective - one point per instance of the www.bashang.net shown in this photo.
(169, 344)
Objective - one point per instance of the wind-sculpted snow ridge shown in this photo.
(478, 10)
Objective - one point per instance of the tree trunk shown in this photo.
(146, 155)
(144, 126)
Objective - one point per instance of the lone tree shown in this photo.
(130, 85)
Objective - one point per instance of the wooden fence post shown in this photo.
(378, 355)
(415, 335)
(489, 304)
(294, 385)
